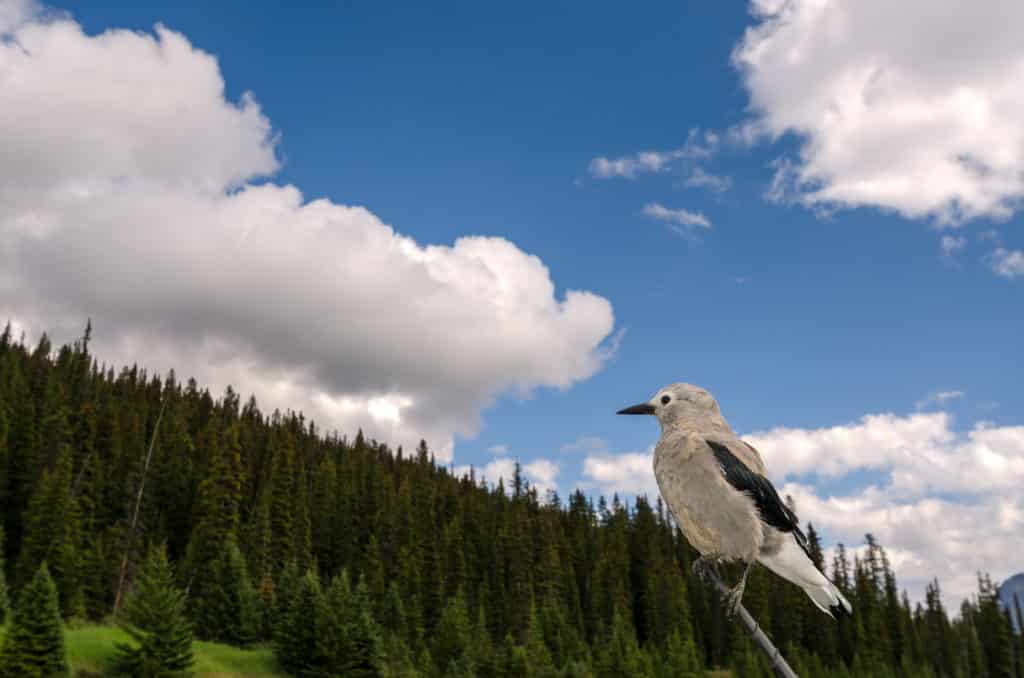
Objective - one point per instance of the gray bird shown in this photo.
(715, 486)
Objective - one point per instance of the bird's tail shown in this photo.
(828, 598)
(793, 564)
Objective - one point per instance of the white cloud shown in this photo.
(948, 505)
(540, 473)
(502, 468)
(127, 196)
(1007, 263)
(896, 105)
(629, 473)
(677, 217)
(498, 449)
(951, 244)
(939, 398)
(700, 179)
(698, 146)
(14, 13)
(925, 537)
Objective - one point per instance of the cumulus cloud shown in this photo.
(699, 146)
(130, 193)
(947, 504)
(1007, 263)
(896, 106)
(676, 217)
(629, 473)
(540, 473)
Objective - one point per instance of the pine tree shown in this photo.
(994, 631)
(481, 650)
(34, 644)
(53, 534)
(364, 639)
(230, 609)
(452, 634)
(4, 600)
(302, 547)
(296, 642)
(154, 617)
(620, 655)
(392, 617)
(348, 639)
(542, 665)
(282, 544)
(680, 658)
(4, 474)
(220, 591)
(333, 622)
(513, 662)
(285, 590)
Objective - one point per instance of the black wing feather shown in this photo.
(771, 507)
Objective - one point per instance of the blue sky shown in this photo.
(807, 308)
(482, 120)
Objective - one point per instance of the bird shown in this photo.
(716, 488)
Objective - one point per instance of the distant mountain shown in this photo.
(1013, 585)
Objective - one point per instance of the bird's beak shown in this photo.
(643, 408)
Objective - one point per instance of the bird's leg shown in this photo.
(732, 600)
(704, 565)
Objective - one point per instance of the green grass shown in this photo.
(224, 661)
(91, 647)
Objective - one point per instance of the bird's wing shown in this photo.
(773, 510)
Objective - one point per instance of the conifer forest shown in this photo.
(146, 502)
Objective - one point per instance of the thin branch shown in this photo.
(135, 513)
(782, 668)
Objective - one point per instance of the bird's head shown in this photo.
(677, 402)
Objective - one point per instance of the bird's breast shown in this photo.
(712, 515)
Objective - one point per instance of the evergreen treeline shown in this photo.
(354, 559)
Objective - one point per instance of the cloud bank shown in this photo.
(133, 192)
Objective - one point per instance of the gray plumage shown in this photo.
(717, 490)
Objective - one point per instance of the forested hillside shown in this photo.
(342, 549)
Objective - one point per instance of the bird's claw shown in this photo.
(733, 599)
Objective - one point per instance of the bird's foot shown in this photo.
(733, 600)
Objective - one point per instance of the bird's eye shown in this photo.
(665, 400)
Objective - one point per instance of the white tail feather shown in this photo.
(792, 564)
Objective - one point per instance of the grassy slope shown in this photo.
(90, 647)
